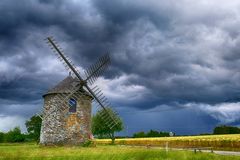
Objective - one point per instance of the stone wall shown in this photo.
(64, 127)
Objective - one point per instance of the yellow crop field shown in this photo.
(229, 142)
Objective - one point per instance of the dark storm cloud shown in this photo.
(27, 68)
(171, 59)
(163, 53)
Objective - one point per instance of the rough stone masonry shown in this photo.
(68, 126)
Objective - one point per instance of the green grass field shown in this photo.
(101, 152)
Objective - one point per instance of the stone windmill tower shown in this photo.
(72, 124)
(66, 116)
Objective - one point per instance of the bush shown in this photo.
(1, 137)
(89, 143)
(14, 135)
(139, 135)
(153, 133)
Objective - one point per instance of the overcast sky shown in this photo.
(175, 64)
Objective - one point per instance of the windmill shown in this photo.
(66, 117)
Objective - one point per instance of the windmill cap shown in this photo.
(64, 86)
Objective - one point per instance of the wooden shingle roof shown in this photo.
(64, 86)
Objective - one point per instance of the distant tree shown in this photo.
(223, 129)
(2, 137)
(34, 127)
(100, 129)
(139, 135)
(153, 133)
(14, 135)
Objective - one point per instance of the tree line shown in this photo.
(223, 129)
(13, 135)
(33, 126)
(152, 133)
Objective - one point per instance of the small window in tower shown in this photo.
(72, 105)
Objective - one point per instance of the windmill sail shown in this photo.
(93, 73)
(95, 70)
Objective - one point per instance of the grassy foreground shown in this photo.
(107, 152)
(219, 142)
